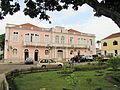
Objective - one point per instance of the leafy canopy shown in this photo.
(39, 8)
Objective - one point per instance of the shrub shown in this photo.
(72, 81)
(65, 71)
(89, 67)
(114, 63)
(113, 77)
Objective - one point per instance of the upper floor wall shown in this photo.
(110, 44)
(30, 35)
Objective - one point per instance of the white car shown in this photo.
(49, 63)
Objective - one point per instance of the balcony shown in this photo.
(35, 44)
(56, 45)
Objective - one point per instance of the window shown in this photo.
(115, 43)
(116, 52)
(57, 39)
(62, 39)
(36, 38)
(44, 61)
(46, 52)
(71, 52)
(47, 38)
(78, 52)
(79, 40)
(15, 36)
(104, 44)
(31, 38)
(91, 43)
(71, 40)
(14, 52)
(105, 53)
(27, 37)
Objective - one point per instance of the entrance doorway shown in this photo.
(60, 54)
(26, 53)
(36, 55)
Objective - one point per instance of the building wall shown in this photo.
(42, 39)
(110, 48)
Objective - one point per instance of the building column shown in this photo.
(67, 54)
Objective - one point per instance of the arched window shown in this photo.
(14, 52)
(71, 52)
(36, 50)
(104, 44)
(26, 53)
(115, 42)
(26, 50)
(46, 52)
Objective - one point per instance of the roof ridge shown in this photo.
(113, 35)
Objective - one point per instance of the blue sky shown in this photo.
(82, 20)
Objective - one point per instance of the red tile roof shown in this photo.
(72, 31)
(113, 36)
(28, 24)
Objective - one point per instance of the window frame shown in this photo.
(105, 44)
(115, 42)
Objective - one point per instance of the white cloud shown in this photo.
(19, 18)
(59, 17)
(101, 27)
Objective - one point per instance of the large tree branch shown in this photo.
(101, 9)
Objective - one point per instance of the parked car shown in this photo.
(89, 58)
(49, 63)
(29, 60)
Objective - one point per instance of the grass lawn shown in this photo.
(53, 81)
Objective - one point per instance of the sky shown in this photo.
(82, 20)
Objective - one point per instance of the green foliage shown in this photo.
(114, 63)
(39, 8)
(89, 67)
(2, 41)
(53, 81)
(72, 81)
(65, 70)
(114, 77)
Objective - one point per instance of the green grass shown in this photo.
(53, 81)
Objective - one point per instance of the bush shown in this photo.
(89, 67)
(114, 63)
(65, 71)
(113, 77)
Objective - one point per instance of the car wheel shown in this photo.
(60, 66)
(43, 66)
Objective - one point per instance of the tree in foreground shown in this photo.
(39, 8)
(114, 63)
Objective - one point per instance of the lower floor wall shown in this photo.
(110, 52)
(57, 53)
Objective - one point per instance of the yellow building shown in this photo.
(111, 45)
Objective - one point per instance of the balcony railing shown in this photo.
(56, 45)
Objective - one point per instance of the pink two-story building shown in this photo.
(27, 40)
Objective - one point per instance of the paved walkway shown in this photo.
(8, 67)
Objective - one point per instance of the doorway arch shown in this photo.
(36, 55)
(60, 54)
(26, 53)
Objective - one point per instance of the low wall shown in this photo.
(3, 82)
(7, 79)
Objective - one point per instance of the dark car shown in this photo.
(29, 61)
